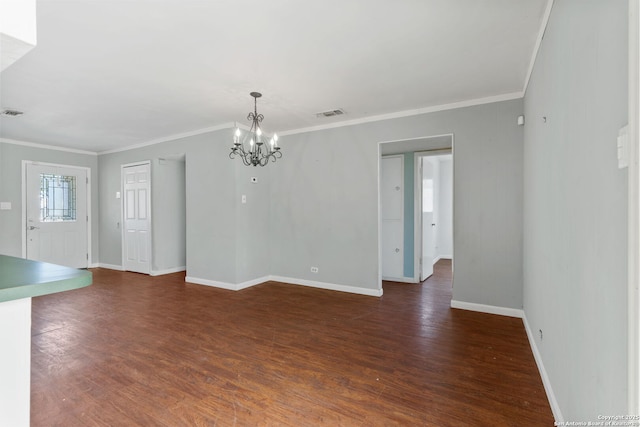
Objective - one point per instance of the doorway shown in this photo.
(56, 214)
(434, 209)
(411, 246)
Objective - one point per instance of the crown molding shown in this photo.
(536, 49)
(172, 137)
(47, 147)
(408, 113)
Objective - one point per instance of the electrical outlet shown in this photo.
(314, 269)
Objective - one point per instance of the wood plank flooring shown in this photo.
(154, 351)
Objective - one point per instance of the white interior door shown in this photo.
(56, 214)
(428, 218)
(136, 182)
(392, 210)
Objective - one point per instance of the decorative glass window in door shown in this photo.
(57, 198)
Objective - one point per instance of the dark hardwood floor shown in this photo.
(154, 351)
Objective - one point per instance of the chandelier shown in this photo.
(253, 150)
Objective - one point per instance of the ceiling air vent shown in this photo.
(11, 113)
(330, 113)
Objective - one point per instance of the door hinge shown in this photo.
(87, 218)
(87, 178)
(87, 257)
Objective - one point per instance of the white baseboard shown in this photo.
(329, 286)
(226, 285)
(400, 279)
(447, 256)
(491, 309)
(93, 265)
(555, 408)
(253, 282)
(289, 280)
(110, 266)
(167, 271)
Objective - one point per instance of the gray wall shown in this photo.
(11, 157)
(324, 201)
(575, 207)
(226, 240)
(169, 214)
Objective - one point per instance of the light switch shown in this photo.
(244, 198)
(117, 194)
(5, 206)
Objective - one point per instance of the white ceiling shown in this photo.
(109, 74)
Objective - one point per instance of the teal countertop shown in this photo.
(22, 278)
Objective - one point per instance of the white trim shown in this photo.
(47, 147)
(225, 285)
(87, 170)
(171, 138)
(286, 280)
(94, 265)
(436, 259)
(419, 138)
(633, 216)
(400, 279)
(328, 286)
(212, 283)
(555, 407)
(490, 309)
(109, 266)
(167, 271)
(536, 49)
(253, 282)
(407, 113)
(445, 256)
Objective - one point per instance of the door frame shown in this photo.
(423, 146)
(150, 213)
(24, 204)
(417, 216)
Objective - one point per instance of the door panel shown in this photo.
(137, 223)
(56, 214)
(392, 211)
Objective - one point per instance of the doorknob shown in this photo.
(33, 227)
(397, 250)
(433, 225)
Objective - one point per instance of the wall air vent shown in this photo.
(11, 113)
(330, 113)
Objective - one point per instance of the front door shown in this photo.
(56, 214)
(137, 222)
